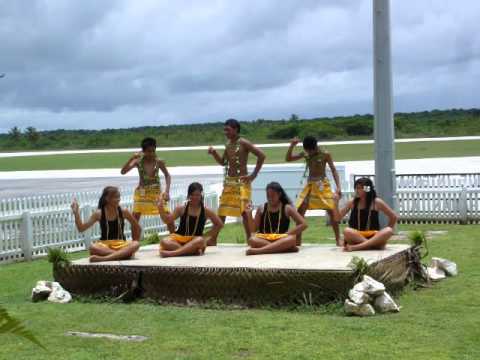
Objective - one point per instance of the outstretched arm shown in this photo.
(219, 159)
(131, 163)
(290, 156)
(260, 160)
(168, 179)
(388, 211)
(335, 174)
(301, 225)
(136, 228)
(81, 226)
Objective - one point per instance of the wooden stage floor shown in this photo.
(319, 273)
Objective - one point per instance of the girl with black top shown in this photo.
(272, 222)
(363, 231)
(112, 244)
(189, 238)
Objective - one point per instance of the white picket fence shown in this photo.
(27, 235)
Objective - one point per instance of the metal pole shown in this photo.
(383, 104)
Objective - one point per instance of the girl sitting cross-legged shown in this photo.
(363, 231)
(272, 222)
(189, 238)
(112, 244)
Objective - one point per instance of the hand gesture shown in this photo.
(160, 203)
(247, 179)
(294, 141)
(166, 196)
(136, 155)
(75, 208)
(338, 192)
(336, 197)
(211, 150)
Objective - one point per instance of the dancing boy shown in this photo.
(237, 189)
(317, 193)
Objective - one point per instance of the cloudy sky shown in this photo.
(122, 63)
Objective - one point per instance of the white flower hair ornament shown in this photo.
(366, 188)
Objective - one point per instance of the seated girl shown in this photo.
(363, 231)
(112, 244)
(272, 222)
(189, 238)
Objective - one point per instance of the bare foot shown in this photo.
(201, 251)
(347, 248)
(165, 253)
(97, 258)
(293, 249)
(251, 251)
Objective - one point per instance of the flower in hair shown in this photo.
(366, 188)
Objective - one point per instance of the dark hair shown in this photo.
(148, 142)
(371, 195)
(233, 124)
(106, 192)
(195, 186)
(309, 143)
(275, 186)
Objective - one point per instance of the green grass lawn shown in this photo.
(274, 155)
(442, 322)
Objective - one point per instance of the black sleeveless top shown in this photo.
(113, 229)
(270, 226)
(192, 220)
(368, 219)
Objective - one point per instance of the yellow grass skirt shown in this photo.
(145, 200)
(235, 197)
(367, 234)
(317, 194)
(270, 237)
(112, 244)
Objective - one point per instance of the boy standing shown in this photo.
(237, 189)
(149, 190)
(317, 193)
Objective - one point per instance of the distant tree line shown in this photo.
(435, 123)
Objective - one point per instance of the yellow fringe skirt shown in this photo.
(145, 200)
(317, 194)
(235, 197)
(270, 237)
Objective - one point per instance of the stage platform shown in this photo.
(316, 274)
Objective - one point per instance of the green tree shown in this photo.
(32, 134)
(15, 133)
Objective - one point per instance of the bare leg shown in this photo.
(213, 239)
(352, 237)
(122, 254)
(137, 216)
(169, 244)
(246, 225)
(336, 228)
(286, 244)
(255, 242)
(377, 242)
(99, 250)
(191, 248)
(302, 210)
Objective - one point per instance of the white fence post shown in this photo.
(27, 238)
(87, 210)
(462, 206)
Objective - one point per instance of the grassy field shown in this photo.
(274, 155)
(442, 322)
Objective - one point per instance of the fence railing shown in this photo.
(433, 181)
(460, 206)
(29, 234)
(18, 205)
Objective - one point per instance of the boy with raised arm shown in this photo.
(148, 189)
(317, 193)
(237, 189)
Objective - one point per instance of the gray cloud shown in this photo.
(122, 63)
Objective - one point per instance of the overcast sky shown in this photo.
(98, 64)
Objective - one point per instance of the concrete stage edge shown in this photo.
(316, 274)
